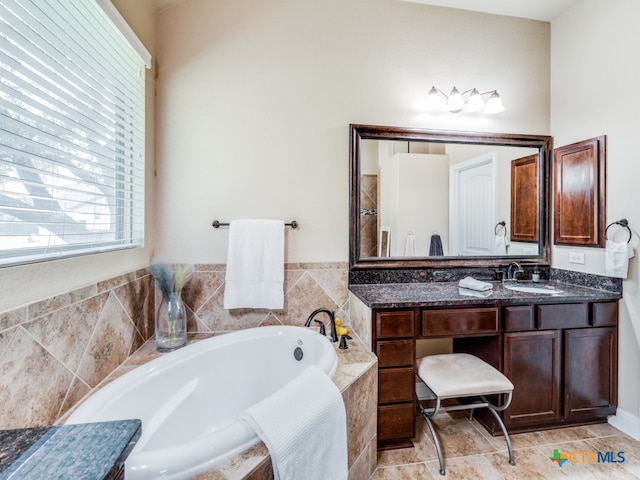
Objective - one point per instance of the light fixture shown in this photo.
(467, 101)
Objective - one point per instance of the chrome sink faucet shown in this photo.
(512, 275)
(332, 320)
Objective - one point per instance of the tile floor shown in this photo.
(471, 453)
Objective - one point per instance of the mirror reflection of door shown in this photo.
(412, 194)
(473, 206)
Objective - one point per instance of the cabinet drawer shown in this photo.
(395, 353)
(396, 385)
(568, 315)
(394, 324)
(604, 314)
(459, 322)
(396, 421)
(518, 318)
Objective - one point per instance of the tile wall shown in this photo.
(307, 286)
(54, 351)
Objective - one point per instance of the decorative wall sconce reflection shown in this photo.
(467, 101)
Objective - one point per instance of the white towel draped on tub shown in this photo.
(304, 427)
(255, 265)
(617, 255)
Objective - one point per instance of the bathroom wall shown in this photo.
(25, 284)
(255, 99)
(65, 324)
(593, 92)
(251, 110)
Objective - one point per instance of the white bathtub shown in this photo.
(189, 399)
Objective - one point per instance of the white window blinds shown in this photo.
(71, 132)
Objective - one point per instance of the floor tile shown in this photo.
(472, 453)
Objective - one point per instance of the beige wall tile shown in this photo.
(34, 384)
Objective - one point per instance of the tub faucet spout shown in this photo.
(332, 320)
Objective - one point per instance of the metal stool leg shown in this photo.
(427, 418)
(506, 435)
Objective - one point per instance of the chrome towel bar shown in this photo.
(217, 224)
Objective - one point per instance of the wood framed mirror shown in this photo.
(453, 188)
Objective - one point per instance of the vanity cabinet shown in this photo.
(562, 360)
(394, 345)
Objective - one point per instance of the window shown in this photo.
(71, 131)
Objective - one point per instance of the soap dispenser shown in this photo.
(535, 276)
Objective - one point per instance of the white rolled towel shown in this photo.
(617, 255)
(473, 284)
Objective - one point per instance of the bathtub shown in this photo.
(189, 400)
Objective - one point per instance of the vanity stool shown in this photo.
(460, 376)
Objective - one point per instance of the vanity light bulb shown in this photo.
(435, 102)
(494, 105)
(455, 103)
(475, 103)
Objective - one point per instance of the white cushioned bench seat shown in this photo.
(460, 374)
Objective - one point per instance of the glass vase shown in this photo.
(171, 323)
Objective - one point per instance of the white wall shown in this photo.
(255, 99)
(594, 79)
(26, 284)
(421, 206)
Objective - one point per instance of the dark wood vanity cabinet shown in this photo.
(564, 367)
(394, 344)
(561, 358)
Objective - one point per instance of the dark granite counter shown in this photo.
(437, 294)
(90, 451)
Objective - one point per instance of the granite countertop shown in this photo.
(436, 294)
(89, 451)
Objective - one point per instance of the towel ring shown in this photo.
(623, 223)
(502, 224)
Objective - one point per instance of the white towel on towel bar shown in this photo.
(500, 245)
(304, 427)
(410, 245)
(255, 265)
(617, 255)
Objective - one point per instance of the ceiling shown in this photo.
(544, 10)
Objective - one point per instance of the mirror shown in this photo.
(434, 198)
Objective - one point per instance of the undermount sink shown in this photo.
(548, 290)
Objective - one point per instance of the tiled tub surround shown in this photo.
(356, 377)
(307, 286)
(54, 351)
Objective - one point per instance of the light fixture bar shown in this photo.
(468, 101)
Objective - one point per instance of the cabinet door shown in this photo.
(532, 363)
(590, 356)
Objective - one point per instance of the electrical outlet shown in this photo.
(576, 257)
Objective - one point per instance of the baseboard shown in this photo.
(626, 422)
